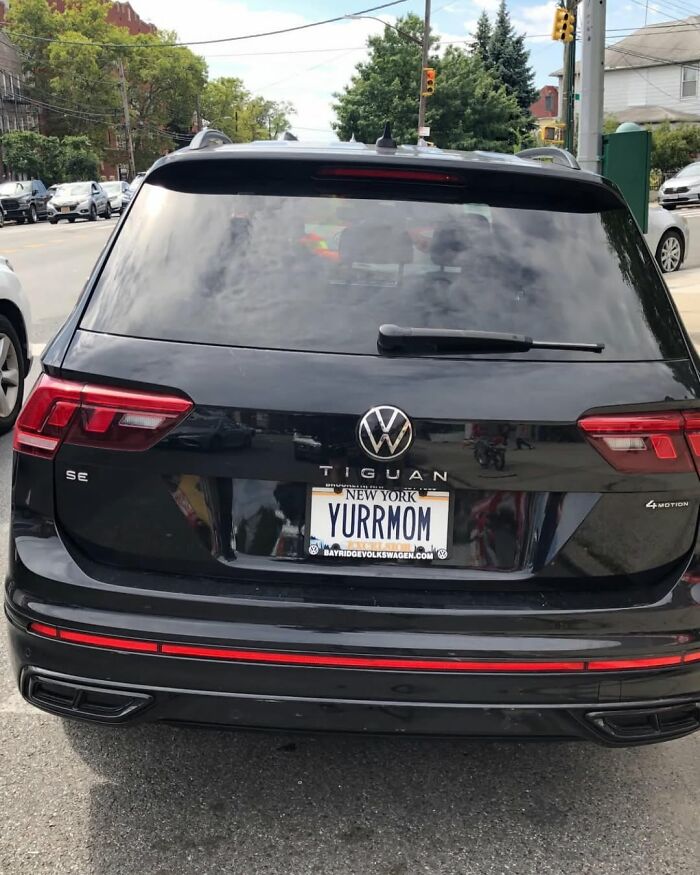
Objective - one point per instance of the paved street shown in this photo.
(53, 262)
(161, 801)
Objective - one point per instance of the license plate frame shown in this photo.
(440, 504)
(65, 209)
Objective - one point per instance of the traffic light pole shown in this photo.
(568, 89)
(590, 132)
(422, 99)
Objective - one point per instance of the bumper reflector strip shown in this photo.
(372, 662)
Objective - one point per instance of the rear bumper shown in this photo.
(297, 662)
(84, 682)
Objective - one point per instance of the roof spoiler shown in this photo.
(550, 153)
(208, 138)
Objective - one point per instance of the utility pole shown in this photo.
(198, 111)
(568, 87)
(590, 133)
(423, 65)
(127, 121)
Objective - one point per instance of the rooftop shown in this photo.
(656, 45)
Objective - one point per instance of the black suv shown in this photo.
(24, 201)
(365, 438)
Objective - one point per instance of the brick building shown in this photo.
(120, 15)
(547, 104)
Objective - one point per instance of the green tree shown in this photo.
(473, 112)
(228, 106)
(223, 102)
(385, 87)
(265, 119)
(78, 159)
(468, 110)
(508, 60)
(163, 87)
(482, 38)
(72, 85)
(673, 147)
(76, 86)
(30, 154)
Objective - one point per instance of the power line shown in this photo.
(669, 10)
(207, 42)
(289, 52)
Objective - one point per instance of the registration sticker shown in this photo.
(362, 522)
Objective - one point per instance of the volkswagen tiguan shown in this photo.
(365, 438)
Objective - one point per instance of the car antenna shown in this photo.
(386, 141)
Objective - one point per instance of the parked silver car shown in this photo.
(79, 200)
(683, 189)
(119, 194)
(668, 238)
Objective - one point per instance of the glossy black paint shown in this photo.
(199, 540)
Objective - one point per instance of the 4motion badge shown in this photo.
(652, 504)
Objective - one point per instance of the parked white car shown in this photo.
(119, 194)
(668, 237)
(683, 189)
(15, 345)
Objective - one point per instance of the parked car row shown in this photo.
(30, 201)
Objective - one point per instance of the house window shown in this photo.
(548, 101)
(689, 81)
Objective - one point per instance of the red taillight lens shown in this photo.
(650, 443)
(60, 411)
(389, 174)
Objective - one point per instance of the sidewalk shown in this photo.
(685, 288)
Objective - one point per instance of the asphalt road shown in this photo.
(164, 801)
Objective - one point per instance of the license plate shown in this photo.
(378, 523)
(65, 209)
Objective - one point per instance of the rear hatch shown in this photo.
(255, 288)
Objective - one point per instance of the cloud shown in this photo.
(535, 20)
(320, 61)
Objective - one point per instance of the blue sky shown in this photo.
(308, 66)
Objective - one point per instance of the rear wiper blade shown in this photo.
(399, 339)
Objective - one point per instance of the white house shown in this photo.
(654, 74)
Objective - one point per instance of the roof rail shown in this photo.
(208, 138)
(550, 153)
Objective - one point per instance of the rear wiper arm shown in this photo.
(399, 339)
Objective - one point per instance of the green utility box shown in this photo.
(627, 162)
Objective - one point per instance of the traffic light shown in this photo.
(428, 81)
(564, 25)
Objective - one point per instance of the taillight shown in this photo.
(60, 411)
(650, 443)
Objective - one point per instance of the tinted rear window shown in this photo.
(322, 273)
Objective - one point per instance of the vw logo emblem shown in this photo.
(385, 433)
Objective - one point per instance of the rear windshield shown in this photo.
(321, 274)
